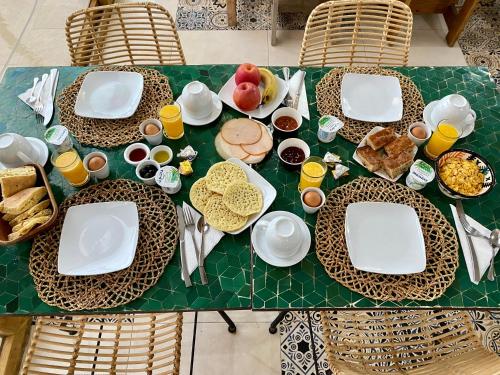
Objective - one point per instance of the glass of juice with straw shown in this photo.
(312, 172)
(442, 139)
(70, 165)
(171, 119)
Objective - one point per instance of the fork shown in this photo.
(38, 107)
(465, 224)
(32, 97)
(190, 224)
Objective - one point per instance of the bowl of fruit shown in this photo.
(254, 91)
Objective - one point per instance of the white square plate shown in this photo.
(109, 95)
(384, 238)
(380, 172)
(268, 192)
(371, 97)
(226, 95)
(98, 238)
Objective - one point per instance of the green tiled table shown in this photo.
(304, 286)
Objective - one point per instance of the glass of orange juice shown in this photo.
(312, 172)
(443, 138)
(70, 165)
(171, 119)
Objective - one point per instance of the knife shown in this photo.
(475, 264)
(182, 229)
(296, 97)
(48, 109)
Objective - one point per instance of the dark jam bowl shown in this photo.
(286, 112)
(133, 149)
(293, 142)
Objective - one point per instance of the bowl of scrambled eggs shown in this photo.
(463, 174)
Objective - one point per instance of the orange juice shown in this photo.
(71, 167)
(171, 119)
(312, 173)
(443, 138)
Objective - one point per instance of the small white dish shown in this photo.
(384, 238)
(429, 108)
(187, 118)
(141, 165)
(101, 173)
(268, 192)
(154, 139)
(419, 141)
(290, 112)
(268, 254)
(132, 147)
(371, 97)
(161, 148)
(226, 95)
(109, 94)
(309, 209)
(293, 142)
(380, 172)
(98, 238)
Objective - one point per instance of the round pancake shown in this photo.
(243, 198)
(199, 194)
(223, 174)
(221, 217)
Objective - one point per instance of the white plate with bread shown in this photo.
(385, 153)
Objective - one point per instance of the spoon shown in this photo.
(495, 243)
(202, 226)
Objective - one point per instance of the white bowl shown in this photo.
(309, 209)
(131, 148)
(286, 111)
(418, 141)
(154, 139)
(100, 173)
(150, 180)
(161, 148)
(293, 142)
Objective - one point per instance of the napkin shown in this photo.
(482, 245)
(212, 238)
(48, 94)
(293, 85)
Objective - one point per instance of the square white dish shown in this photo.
(268, 192)
(109, 95)
(380, 172)
(371, 97)
(384, 238)
(226, 95)
(98, 238)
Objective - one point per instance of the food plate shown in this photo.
(384, 238)
(98, 238)
(380, 172)
(432, 124)
(265, 252)
(268, 192)
(371, 97)
(226, 95)
(109, 94)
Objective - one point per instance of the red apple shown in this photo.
(246, 96)
(247, 73)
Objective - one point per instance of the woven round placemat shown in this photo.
(441, 243)
(329, 103)
(111, 133)
(158, 236)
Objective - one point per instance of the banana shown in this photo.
(270, 85)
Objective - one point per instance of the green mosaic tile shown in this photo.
(228, 266)
(318, 290)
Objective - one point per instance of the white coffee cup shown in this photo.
(100, 173)
(16, 151)
(197, 100)
(454, 108)
(282, 235)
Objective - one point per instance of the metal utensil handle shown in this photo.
(296, 98)
(475, 264)
(185, 273)
(201, 258)
(491, 270)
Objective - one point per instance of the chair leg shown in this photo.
(231, 326)
(231, 13)
(14, 332)
(273, 328)
(274, 21)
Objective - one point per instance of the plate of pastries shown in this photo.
(386, 153)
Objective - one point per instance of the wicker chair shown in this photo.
(410, 342)
(357, 32)
(124, 33)
(107, 344)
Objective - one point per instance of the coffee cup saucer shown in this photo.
(266, 253)
(187, 118)
(40, 148)
(429, 108)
